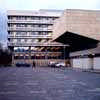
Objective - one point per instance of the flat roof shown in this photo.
(41, 12)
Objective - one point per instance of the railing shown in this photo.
(31, 44)
(29, 36)
(28, 29)
(31, 21)
(38, 52)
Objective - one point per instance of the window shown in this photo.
(9, 33)
(18, 25)
(25, 40)
(25, 17)
(18, 40)
(44, 26)
(10, 25)
(29, 40)
(17, 33)
(18, 18)
(34, 33)
(15, 40)
(22, 40)
(27, 56)
(32, 17)
(21, 18)
(10, 17)
(25, 25)
(21, 25)
(32, 25)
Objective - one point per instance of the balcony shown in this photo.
(31, 21)
(28, 29)
(24, 44)
(29, 36)
(30, 44)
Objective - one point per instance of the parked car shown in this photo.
(60, 64)
(22, 64)
(52, 64)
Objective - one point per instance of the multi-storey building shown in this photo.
(29, 32)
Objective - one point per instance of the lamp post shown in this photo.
(64, 53)
(82, 61)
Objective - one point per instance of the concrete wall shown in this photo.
(59, 26)
(82, 22)
(86, 63)
(83, 63)
(96, 63)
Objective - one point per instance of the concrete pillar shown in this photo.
(12, 50)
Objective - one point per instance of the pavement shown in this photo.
(45, 83)
(97, 71)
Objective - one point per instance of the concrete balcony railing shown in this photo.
(28, 29)
(31, 21)
(29, 36)
(31, 44)
(23, 44)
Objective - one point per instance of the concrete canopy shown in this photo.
(76, 42)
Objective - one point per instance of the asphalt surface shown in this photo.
(44, 83)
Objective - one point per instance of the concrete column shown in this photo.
(12, 50)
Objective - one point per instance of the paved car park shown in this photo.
(45, 83)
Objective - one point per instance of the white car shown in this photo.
(60, 64)
(52, 64)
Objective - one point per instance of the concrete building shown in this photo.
(80, 29)
(29, 33)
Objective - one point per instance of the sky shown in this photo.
(40, 4)
(49, 4)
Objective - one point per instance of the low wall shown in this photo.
(83, 63)
(86, 63)
(96, 63)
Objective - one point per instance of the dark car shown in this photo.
(22, 64)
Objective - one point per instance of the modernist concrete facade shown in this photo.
(83, 25)
(82, 22)
(29, 32)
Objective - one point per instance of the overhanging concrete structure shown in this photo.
(76, 42)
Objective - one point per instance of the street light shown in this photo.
(64, 53)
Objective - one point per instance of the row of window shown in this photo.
(28, 33)
(26, 25)
(27, 40)
(42, 50)
(38, 57)
(34, 51)
(31, 17)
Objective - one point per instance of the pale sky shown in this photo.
(49, 4)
